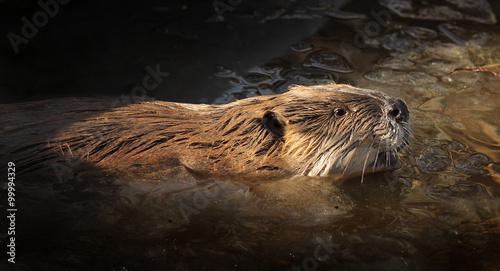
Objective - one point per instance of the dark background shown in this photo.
(102, 48)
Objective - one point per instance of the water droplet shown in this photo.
(301, 47)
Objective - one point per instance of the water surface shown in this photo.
(439, 211)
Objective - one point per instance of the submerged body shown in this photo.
(315, 131)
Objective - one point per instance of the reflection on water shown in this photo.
(439, 211)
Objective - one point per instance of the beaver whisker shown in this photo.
(366, 160)
(350, 152)
(376, 157)
(387, 158)
(348, 164)
(392, 154)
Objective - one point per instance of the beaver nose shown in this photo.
(397, 110)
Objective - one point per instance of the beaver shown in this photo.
(309, 130)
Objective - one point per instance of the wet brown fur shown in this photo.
(222, 139)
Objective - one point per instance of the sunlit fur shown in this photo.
(222, 139)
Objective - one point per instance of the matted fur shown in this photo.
(223, 139)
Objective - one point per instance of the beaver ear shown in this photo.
(274, 124)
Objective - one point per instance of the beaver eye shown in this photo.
(339, 112)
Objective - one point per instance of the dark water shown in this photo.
(439, 211)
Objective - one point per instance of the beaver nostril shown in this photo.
(393, 112)
(397, 110)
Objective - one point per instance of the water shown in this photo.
(439, 211)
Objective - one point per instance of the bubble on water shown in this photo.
(301, 47)
(330, 62)
(420, 32)
(256, 78)
(223, 71)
